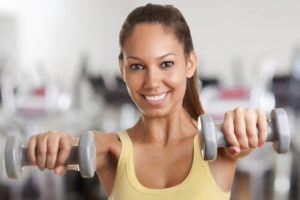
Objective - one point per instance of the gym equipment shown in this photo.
(83, 155)
(278, 134)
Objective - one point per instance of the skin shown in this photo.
(154, 63)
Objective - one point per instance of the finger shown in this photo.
(53, 143)
(60, 170)
(42, 151)
(31, 149)
(240, 128)
(228, 130)
(251, 130)
(234, 150)
(65, 146)
(262, 123)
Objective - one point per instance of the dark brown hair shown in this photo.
(170, 17)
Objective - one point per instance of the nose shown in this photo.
(152, 78)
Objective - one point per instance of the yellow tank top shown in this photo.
(199, 184)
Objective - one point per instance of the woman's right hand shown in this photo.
(50, 150)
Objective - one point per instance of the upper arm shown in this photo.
(106, 144)
(108, 149)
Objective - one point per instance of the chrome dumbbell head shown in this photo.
(13, 157)
(281, 134)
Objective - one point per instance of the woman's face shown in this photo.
(155, 69)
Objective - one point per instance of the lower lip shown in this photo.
(158, 102)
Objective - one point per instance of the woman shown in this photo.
(159, 157)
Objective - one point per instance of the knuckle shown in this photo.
(32, 138)
(247, 110)
(261, 111)
(64, 133)
(41, 137)
(239, 110)
(52, 132)
(228, 114)
(250, 111)
(67, 148)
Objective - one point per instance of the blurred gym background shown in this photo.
(59, 70)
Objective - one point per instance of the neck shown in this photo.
(164, 130)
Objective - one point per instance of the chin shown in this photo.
(157, 113)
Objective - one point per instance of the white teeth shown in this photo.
(156, 98)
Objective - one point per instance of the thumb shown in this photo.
(60, 170)
(233, 150)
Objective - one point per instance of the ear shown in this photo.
(191, 64)
(121, 63)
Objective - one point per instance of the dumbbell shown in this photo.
(83, 155)
(278, 134)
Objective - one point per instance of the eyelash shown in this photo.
(165, 64)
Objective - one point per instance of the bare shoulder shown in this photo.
(106, 139)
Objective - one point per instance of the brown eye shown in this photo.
(136, 67)
(167, 64)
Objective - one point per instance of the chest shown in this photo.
(162, 167)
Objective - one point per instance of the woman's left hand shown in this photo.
(240, 129)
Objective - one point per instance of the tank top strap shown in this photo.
(126, 148)
(197, 155)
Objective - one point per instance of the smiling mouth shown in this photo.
(155, 98)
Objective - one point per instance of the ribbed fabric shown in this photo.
(199, 184)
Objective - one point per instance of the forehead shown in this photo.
(152, 39)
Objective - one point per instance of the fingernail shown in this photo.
(34, 163)
(57, 172)
(260, 145)
(235, 150)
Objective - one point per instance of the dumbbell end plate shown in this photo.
(208, 143)
(87, 155)
(13, 157)
(281, 130)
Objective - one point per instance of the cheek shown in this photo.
(133, 82)
(177, 79)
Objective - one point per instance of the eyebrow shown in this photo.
(161, 57)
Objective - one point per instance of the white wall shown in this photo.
(56, 33)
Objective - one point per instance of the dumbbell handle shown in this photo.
(221, 141)
(73, 159)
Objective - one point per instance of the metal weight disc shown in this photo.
(281, 130)
(87, 155)
(13, 156)
(209, 145)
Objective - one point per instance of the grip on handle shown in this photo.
(83, 155)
